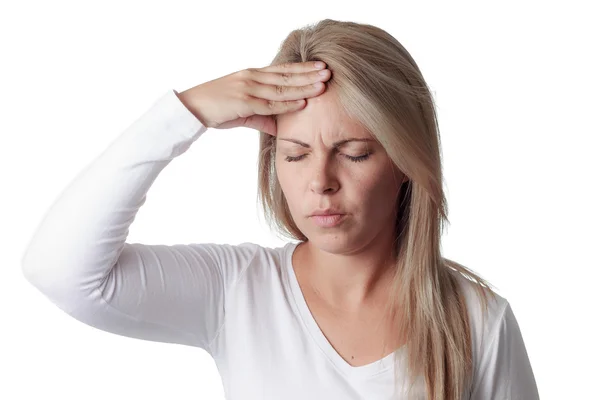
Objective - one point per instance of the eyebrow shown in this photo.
(336, 144)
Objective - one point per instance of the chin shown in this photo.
(334, 242)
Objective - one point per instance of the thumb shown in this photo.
(264, 123)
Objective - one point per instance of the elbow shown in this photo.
(29, 267)
(57, 280)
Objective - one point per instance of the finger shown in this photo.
(262, 123)
(283, 93)
(270, 107)
(294, 68)
(290, 79)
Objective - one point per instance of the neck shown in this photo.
(347, 282)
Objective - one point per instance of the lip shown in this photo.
(327, 221)
(329, 211)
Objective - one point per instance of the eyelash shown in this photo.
(353, 159)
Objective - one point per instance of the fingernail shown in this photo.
(319, 64)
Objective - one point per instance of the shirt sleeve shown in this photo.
(505, 372)
(79, 258)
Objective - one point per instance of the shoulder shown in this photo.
(249, 259)
(501, 367)
(487, 310)
(269, 260)
(499, 353)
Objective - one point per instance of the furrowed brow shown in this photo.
(336, 144)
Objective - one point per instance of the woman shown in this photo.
(361, 305)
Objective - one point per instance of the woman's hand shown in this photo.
(251, 97)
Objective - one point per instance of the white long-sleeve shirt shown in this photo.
(240, 303)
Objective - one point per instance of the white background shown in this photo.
(516, 84)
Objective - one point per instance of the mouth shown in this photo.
(326, 212)
(327, 220)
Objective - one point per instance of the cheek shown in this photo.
(282, 174)
(287, 180)
(378, 191)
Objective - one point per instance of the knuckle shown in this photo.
(307, 88)
(271, 104)
(286, 77)
(251, 73)
(286, 65)
(245, 97)
(279, 89)
(245, 84)
(244, 73)
(247, 75)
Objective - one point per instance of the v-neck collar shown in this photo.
(363, 371)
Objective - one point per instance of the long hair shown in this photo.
(379, 85)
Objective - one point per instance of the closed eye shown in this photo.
(351, 158)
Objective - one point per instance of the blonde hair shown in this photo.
(379, 84)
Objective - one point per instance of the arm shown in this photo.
(79, 258)
(505, 371)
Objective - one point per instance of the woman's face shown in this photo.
(320, 166)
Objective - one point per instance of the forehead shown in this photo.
(323, 115)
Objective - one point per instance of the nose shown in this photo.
(323, 178)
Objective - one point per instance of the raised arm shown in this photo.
(79, 257)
